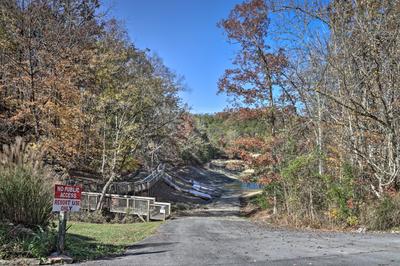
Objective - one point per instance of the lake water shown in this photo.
(251, 185)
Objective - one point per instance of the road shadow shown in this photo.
(144, 252)
(207, 213)
(83, 248)
(151, 245)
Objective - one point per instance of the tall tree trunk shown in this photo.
(273, 133)
(113, 175)
(103, 162)
(100, 203)
(319, 140)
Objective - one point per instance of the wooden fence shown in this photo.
(134, 205)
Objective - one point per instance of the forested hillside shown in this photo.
(73, 83)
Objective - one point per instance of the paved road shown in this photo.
(217, 236)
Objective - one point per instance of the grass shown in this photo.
(86, 241)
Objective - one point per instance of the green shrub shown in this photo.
(261, 200)
(180, 206)
(19, 241)
(88, 217)
(42, 243)
(304, 189)
(385, 214)
(352, 220)
(102, 218)
(25, 186)
(344, 196)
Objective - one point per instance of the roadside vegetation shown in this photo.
(26, 193)
(87, 241)
(21, 242)
(316, 114)
(75, 93)
(27, 226)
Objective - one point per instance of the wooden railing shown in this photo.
(160, 210)
(150, 180)
(141, 206)
(131, 205)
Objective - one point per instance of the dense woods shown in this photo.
(72, 82)
(321, 81)
(75, 88)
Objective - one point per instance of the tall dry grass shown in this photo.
(25, 186)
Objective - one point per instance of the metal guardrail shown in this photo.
(134, 205)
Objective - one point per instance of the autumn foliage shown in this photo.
(327, 139)
(71, 81)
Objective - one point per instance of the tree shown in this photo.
(137, 107)
(42, 77)
(366, 86)
(257, 69)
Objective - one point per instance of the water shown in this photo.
(244, 185)
(251, 186)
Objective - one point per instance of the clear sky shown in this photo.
(184, 34)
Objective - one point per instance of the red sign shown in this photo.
(67, 198)
(67, 192)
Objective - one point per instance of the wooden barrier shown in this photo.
(134, 205)
(160, 210)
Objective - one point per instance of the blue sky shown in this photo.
(184, 34)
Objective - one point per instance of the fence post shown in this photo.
(62, 227)
(127, 205)
(148, 211)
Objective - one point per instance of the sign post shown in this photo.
(62, 229)
(66, 199)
